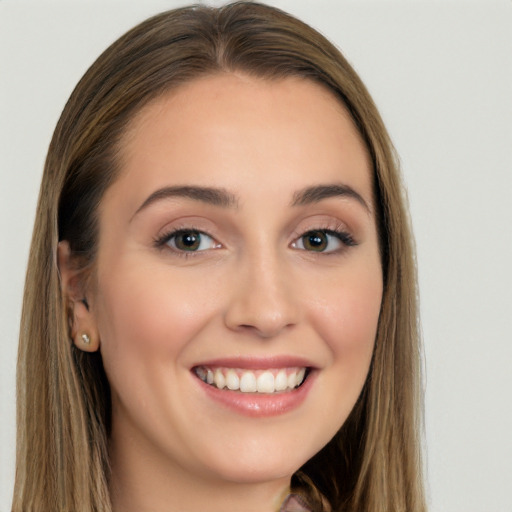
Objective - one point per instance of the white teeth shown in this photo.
(249, 381)
(265, 383)
(232, 380)
(281, 380)
(218, 379)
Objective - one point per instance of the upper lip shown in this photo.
(257, 363)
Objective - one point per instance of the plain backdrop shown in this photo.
(441, 76)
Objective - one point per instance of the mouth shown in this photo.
(256, 387)
(268, 381)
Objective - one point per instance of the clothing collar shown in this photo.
(294, 503)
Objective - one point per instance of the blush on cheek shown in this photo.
(147, 315)
(349, 321)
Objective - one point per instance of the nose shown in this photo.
(263, 301)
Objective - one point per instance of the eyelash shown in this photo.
(344, 237)
(162, 241)
(333, 229)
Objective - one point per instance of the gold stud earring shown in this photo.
(86, 339)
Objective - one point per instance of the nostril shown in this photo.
(261, 304)
(263, 330)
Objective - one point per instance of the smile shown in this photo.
(264, 381)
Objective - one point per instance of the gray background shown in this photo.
(441, 74)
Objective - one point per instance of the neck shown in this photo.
(141, 483)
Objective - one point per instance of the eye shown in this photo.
(323, 240)
(189, 240)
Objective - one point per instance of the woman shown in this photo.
(229, 306)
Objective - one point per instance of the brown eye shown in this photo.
(324, 241)
(315, 241)
(190, 241)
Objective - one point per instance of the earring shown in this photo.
(86, 339)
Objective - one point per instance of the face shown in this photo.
(238, 280)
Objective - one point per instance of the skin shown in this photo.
(255, 291)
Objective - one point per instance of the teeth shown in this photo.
(218, 379)
(292, 380)
(266, 383)
(201, 373)
(232, 380)
(281, 381)
(247, 381)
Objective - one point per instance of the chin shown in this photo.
(257, 461)
(257, 471)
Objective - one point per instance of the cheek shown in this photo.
(346, 317)
(146, 317)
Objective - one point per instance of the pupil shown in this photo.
(316, 241)
(189, 240)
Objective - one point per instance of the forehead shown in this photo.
(235, 130)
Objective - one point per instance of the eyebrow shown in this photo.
(317, 193)
(224, 199)
(208, 195)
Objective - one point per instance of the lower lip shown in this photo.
(259, 404)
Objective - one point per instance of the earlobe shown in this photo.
(82, 324)
(86, 343)
(83, 328)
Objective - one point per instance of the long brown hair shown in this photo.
(373, 463)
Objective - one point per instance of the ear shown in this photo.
(82, 323)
